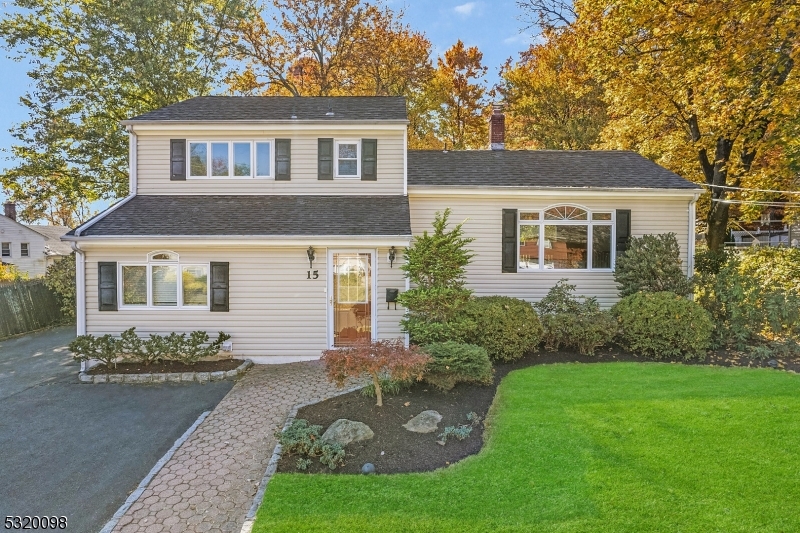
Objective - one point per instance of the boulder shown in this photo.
(345, 431)
(425, 422)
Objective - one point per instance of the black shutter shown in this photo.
(509, 240)
(107, 285)
(177, 158)
(283, 160)
(369, 159)
(623, 230)
(219, 287)
(325, 159)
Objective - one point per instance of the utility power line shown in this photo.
(728, 187)
(756, 202)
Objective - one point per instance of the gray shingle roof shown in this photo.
(227, 108)
(52, 235)
(540, 168)
(269, 216)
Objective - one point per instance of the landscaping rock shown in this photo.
(425, 422)
(100, 378)
(368, 468)
(187, 376)
(203, 377)
(231, 373)
(217, 376)
(145, 378)
(115, 378)
(345, 431)
(85, 378)
(173, 376)
(159, 378)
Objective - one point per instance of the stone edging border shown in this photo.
(153, 471)
(272, 467)
(170, 377)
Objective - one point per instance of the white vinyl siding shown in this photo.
(482, 217)
(153, 165)
(274, 309)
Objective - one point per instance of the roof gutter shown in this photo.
(283, 122)
(482, 190)
(244, 240)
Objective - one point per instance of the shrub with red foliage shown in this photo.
(387, 357)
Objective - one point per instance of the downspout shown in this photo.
(692, 236)
(133, 159)
(80, 292)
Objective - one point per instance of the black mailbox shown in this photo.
(391, 297)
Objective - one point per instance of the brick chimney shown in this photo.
(10, 210)
(497, 128)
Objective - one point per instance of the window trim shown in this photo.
(2, 252)
(26, 251)
(252, 141)
(149, 264)
(336, 143)
(589, 222)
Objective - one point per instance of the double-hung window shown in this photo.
(24, 249)
(565, 237)
(5, 249)
(231, 159)
(164, 282)
(347, 159)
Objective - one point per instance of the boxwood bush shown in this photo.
(574, 322)
(453, 362)
(652, 263)
(507, 327)
(663, 325)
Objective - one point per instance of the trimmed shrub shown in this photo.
(388, 359)
(436, 264)
(574, 323)
(662, 325)
(507, 327)
(110, 350)
(652, 263)
(453, 362)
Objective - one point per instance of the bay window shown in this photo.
(164, 282)
(565, 238)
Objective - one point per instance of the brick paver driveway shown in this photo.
(209, 484)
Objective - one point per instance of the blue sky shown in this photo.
(493, 27)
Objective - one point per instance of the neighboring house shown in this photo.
(30, 248)
(282, 221)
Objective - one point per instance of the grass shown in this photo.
(604, 447)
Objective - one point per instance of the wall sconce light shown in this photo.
(310, 253)
(392, 256)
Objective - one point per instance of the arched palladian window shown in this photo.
(565, 237)
(163, 281)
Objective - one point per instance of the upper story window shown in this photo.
(5, 249)
(231, 159)
(348, 158)
(565, 237)
(164, 282)
(24, 249)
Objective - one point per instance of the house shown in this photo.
(282, 221)
(31, 248)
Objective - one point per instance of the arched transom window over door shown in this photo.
(565, 237)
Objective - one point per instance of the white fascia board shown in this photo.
(238, 241)
(416, 190)
(98, 218)
(254, 125)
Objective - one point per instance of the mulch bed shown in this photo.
(395, 449)
(166, 367)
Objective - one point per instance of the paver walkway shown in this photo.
(209, 484)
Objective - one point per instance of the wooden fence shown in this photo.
(27, 306)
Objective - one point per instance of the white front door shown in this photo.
(351, 302)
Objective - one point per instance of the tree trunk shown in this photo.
(376, 382)
(717, 177)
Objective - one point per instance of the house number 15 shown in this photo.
(313, 274)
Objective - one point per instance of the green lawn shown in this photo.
(600, 447)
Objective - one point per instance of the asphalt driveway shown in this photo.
(78, 450)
